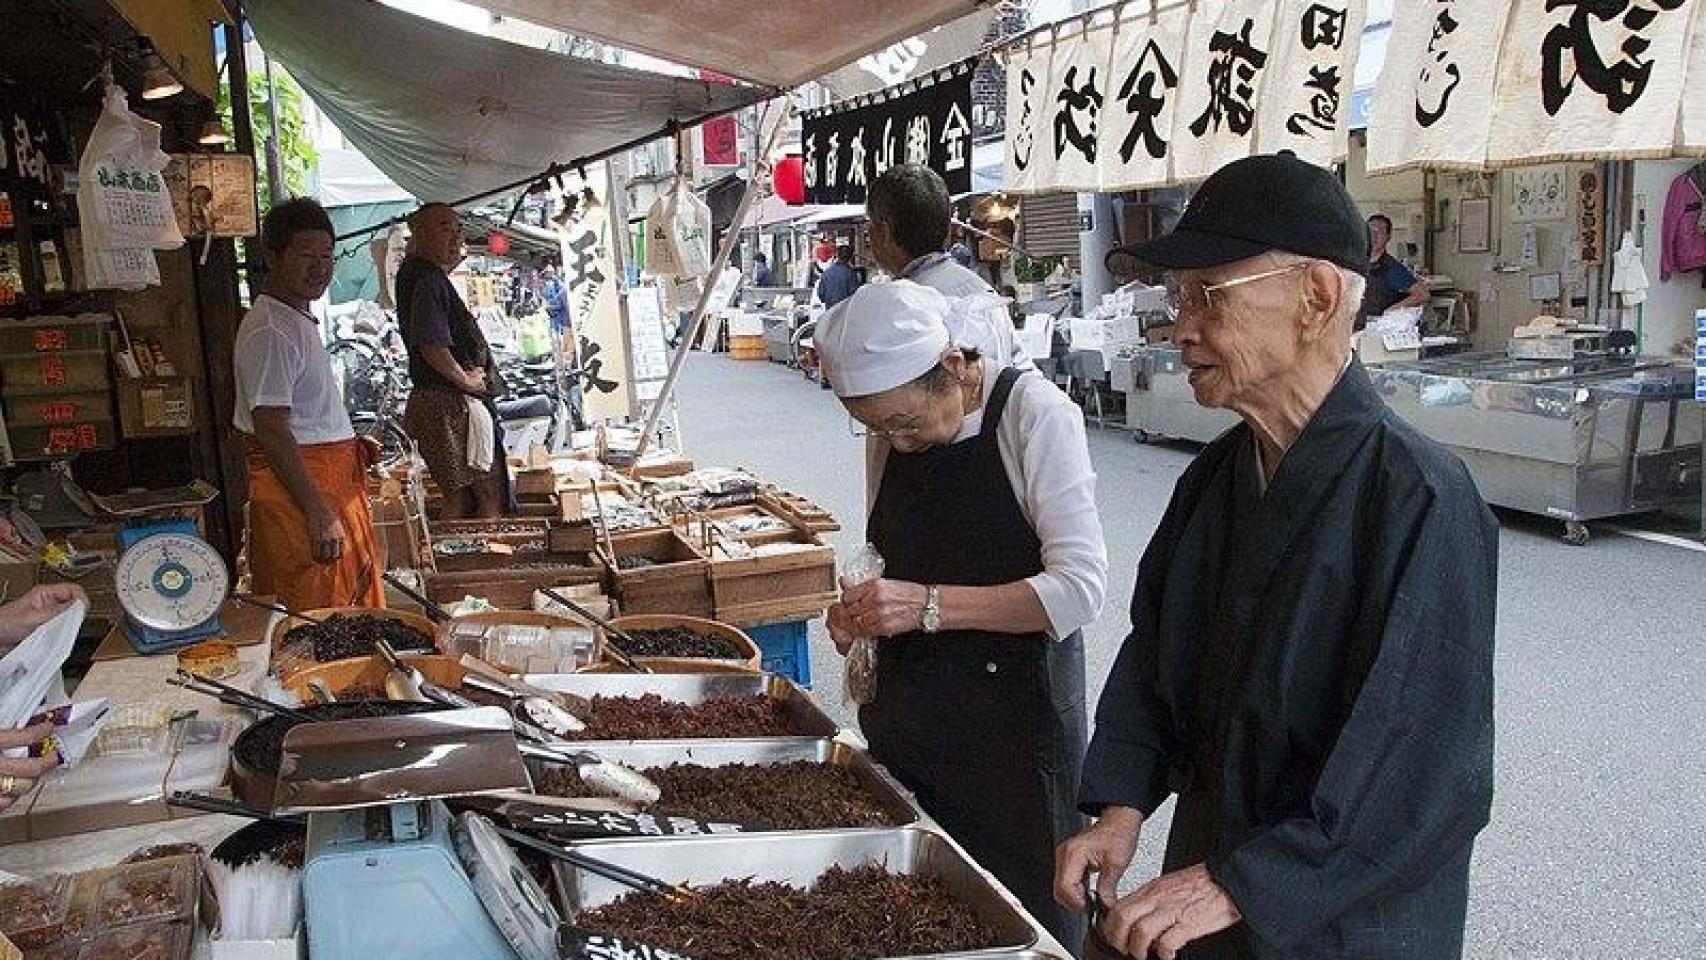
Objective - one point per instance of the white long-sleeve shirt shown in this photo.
(1047, 460)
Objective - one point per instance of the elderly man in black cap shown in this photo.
(1310, 666)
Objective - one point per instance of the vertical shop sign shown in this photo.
(1309, 81)
(1078, 94)
(1434, 102)
(1590, 217)
(595, 307)
(1227, 52)
(1574, 73)
(1138, 121)
(1028, 76)
(846, 146)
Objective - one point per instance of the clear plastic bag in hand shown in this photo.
(859, 679)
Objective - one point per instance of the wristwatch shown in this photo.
(931, 617)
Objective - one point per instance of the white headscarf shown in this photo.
(884, 336)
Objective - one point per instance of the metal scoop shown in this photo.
(606, 777)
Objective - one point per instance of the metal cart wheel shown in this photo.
(1576, 533)
(1141, 436)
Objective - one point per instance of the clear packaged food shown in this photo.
(159, 941)
(156, 892)
(33, 914)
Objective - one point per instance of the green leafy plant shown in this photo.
(1033, 270)
(296, 149)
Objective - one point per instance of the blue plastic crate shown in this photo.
(785, 648)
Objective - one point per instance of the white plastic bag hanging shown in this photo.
(123, 168)
(859, 679)
(678, 234)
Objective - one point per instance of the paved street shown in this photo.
(1598, 837)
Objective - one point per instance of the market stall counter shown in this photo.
(1576, 439)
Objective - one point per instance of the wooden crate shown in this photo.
(156, 407)
(679, 583)
(511, 589)
(795, 585)
(748, 348)
(571, 536)
(804, 513)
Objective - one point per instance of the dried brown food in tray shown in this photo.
(651, 717)
(802, 795)
(848, 914)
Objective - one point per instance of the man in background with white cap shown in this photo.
(984, 509)
(1310, 666)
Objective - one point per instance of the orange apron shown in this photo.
(281, 559)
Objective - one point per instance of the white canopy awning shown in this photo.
(448, 114)
(782, 45)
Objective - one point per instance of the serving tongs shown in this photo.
(429, 606)
(602, 776)
(610, 649)
(231, 696)
(632, 879)
(276, 608)
(405, 682)
(208, 803)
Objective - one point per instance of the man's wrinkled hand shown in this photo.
(1106, 848)
(1170, 912)
(326, 536)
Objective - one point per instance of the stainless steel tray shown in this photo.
(799, 859)
(694, 688)
(889, 794)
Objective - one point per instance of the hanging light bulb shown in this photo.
(213, 134)
(157, 81)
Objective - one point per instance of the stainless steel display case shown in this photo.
(1577, 440)
(1159, 402)
(799, 859)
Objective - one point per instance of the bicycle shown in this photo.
(373, 390)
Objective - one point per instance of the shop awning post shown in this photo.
(730, 237)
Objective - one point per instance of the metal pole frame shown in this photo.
(730, 238)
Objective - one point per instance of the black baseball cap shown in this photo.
(1270, 201)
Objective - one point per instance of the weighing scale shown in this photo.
(170, 583)
(389, 873)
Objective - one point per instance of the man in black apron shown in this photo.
(987, 728)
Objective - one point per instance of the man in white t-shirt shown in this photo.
(311, 537)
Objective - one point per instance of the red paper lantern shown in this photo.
(498, 243)
(790, 180)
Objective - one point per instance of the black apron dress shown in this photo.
(987, 729)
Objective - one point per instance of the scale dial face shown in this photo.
(171, 582)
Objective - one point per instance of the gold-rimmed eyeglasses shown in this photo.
(892, 433)
(1195, 295)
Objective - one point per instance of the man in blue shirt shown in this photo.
(839, 281)
(761, 275)
(556, 302)
(1391, 285)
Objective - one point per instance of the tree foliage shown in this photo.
(296, 148)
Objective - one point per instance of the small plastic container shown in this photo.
(213, 659)
(157, 892)
(158, 941)
(32, 915)
(135, 730)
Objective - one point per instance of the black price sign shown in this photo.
(573, 943)
(578, 825)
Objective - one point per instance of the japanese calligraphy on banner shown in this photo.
(1078, 83)
(595, 307)
(1313, 68)
(848, 145)
(1434, 101)
(1028, 102)
(1173, 95)
(1478, 84)
(1589, 78)
(1140, 112)
(1226, 57)
(1590, 217)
